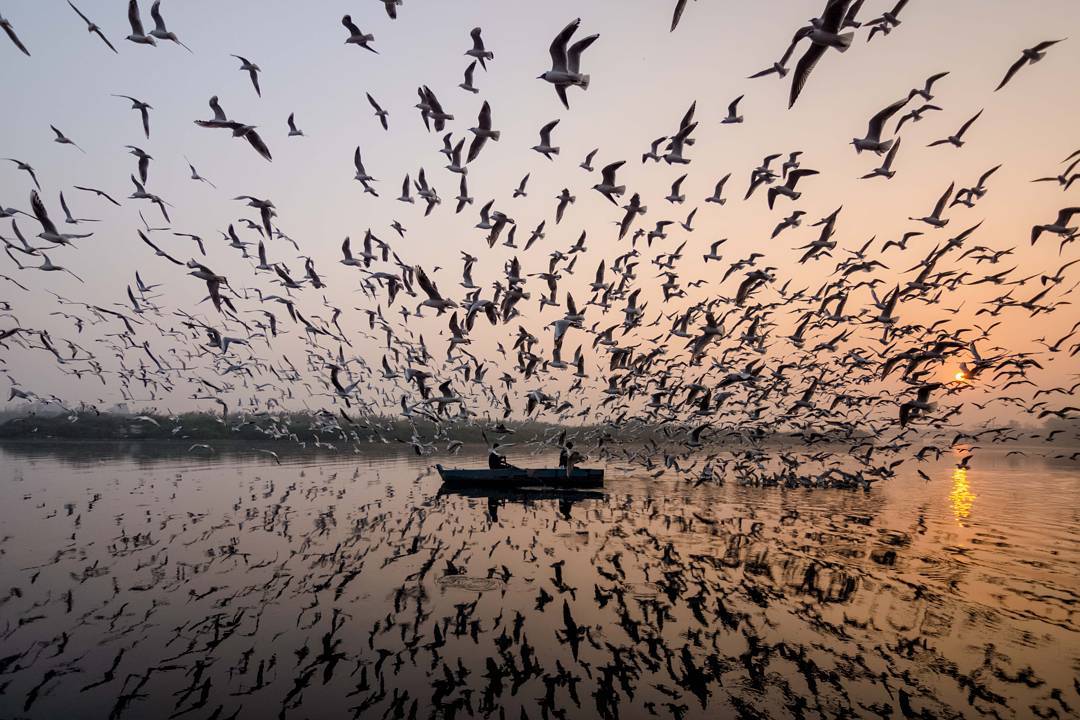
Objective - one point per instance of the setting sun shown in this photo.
(959, 376)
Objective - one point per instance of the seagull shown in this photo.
(467, 83)
(483, 131)
(26, 168)
(924, 91)
(873, 141)
(356, 36)
(160, 31)
(49, 231)
(1060, 226)
(565, 198)
(934, 218)
(718, 191)
(64, 140)
(957, 139)
(144, 161)
(379, 112)
(915, 115)
(607, 186)
(888, 20)
(99, 193)
(587, 164)
(68, 218)
(196, 176)
(1030, 55)
(10, 30)
(712, 251)
(823, 34)
(477, 50)
(293, 130)
(138, 35)
(545, 147)
(654, 148)
(143, 109)
(885, 170)
(519, 191)
(361, 174)
(251, 69)
(675, 197)
(732, 113)
(565, 64)
(91, 27)
(788, 188)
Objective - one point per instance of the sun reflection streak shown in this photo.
(961, 497)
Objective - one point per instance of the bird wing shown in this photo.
(965, 126)
(733, 107)
(802, 71)
(942, 200)
(257, 143)
(558, 46)
(477, 41)
(1013, 69)
(155, 13)
(484, 119)
(608, 173)
(573, 57)
(134, 19)
(833, 15)
(350, 25)
(79, 13)
(986, 175)
(426, 285)
(680, 5)
(42, 215)
(374, 104)
(878, 121)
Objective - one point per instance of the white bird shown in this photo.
(545, 147)
(251, 69)
(92, 28)
(467, 83)
(1030, 55)
(357, 36)
(293, 130)
(478, 50)
(64, 140)
(934, 218)
(160, 31)
(733, 116)
(566, 64)
(138, 34)
(873, 141)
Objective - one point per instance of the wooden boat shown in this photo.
(521, 477)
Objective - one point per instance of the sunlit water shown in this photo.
(153, 583)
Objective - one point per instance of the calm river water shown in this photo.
(142, 581)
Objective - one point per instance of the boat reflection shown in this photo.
(523, 496)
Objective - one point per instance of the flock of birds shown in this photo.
(737, 378)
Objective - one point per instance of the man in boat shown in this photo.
(496, 460)
(564, 454)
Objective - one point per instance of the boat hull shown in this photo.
(521, 477)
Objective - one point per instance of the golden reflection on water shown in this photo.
(961, 497)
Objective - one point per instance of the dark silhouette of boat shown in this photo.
(521, 477)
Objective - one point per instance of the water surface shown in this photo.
(146, 581)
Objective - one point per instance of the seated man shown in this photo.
(564, 454)
(496, 460)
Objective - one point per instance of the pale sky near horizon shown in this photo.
(642, 80)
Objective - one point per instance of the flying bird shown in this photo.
(1029, 55)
